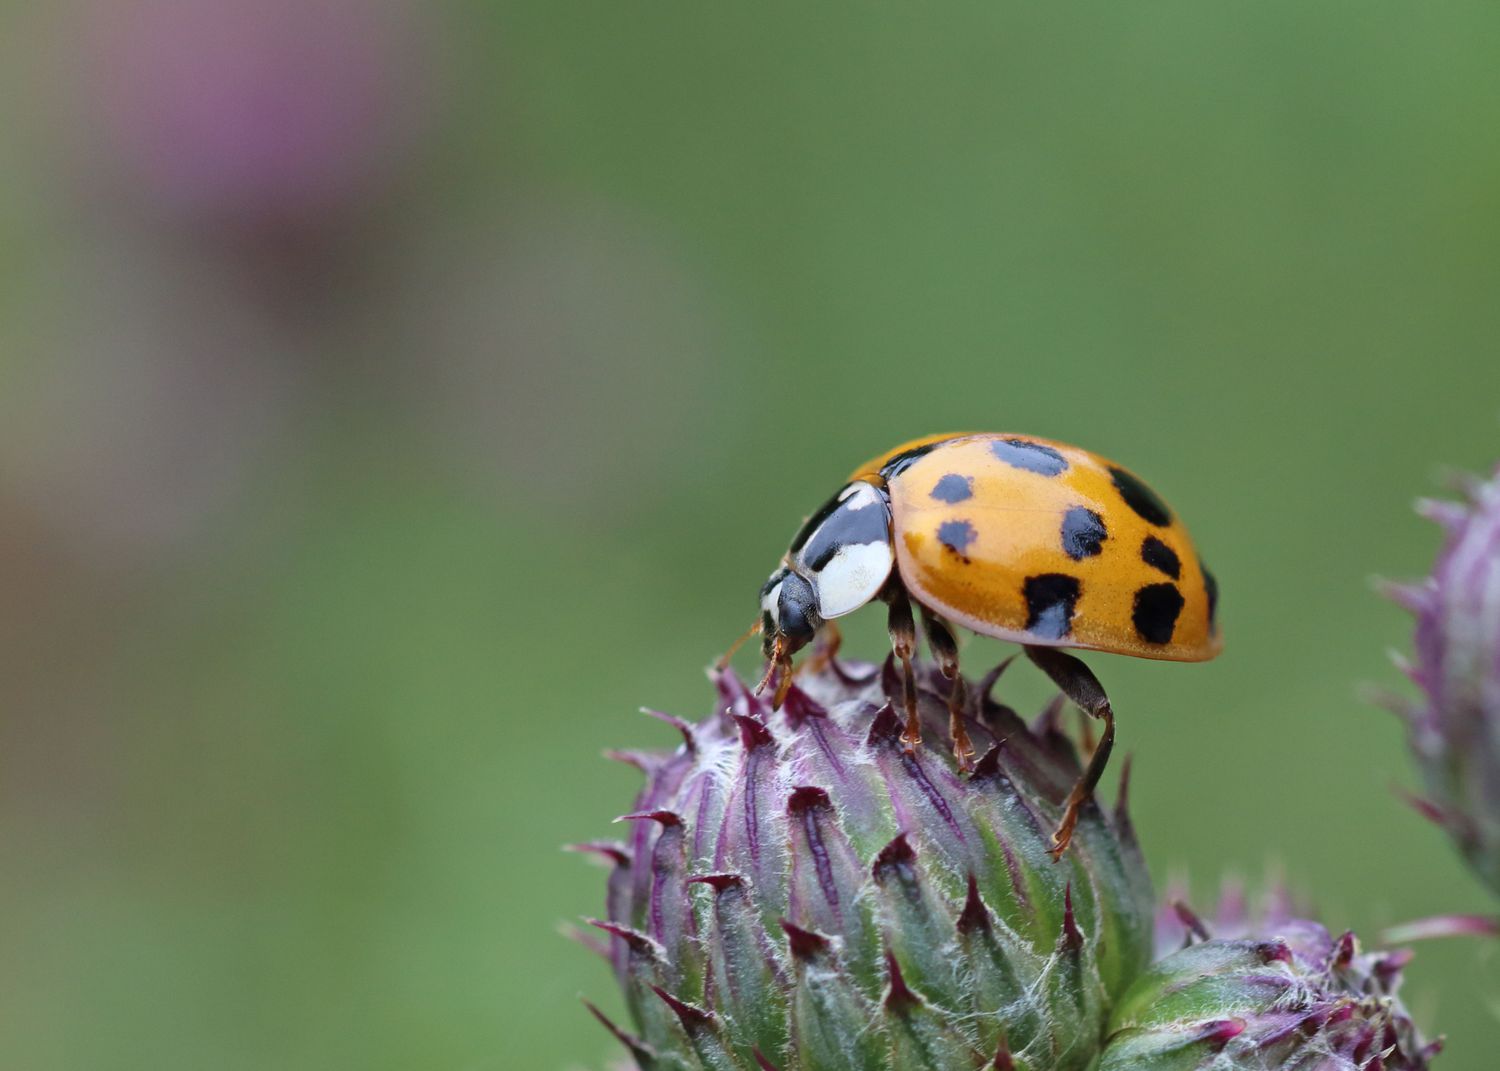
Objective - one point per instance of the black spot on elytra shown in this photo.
(1212, 587)
(1156, 610)
(1140, 498)
(1033, 457)
(953, 488)
(1158, 555)
(956, 536)
(1050, 599)
(1083, 533)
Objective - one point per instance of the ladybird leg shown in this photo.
(903, 632)
(945, 650)
(1080, 685)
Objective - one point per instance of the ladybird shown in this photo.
(1025, 539)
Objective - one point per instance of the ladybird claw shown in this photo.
(1062, 837)
(963, 747)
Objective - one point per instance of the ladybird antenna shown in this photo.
(779, 660)
(765, 677)
(724, 658)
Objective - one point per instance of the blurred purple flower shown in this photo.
(1454, 730)
(150, 406)
(255, 111)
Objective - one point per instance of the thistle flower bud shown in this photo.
(1268, 993)
(1454, 731)
(799, 891)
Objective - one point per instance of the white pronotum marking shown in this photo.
(853, 577)
(856, 572)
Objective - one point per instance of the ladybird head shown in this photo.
(838, 562)
(789, 615)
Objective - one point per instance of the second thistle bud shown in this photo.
(1269, 993)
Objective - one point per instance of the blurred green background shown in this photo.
(396, 396)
